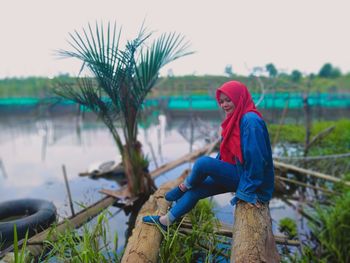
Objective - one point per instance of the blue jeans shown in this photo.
(209, 176)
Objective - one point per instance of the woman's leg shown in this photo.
(208, 187)
(221, 172)
(208, 177)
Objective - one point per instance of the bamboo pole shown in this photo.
(304, 185)
(289, 167)
(143, 245)
(284, 112)
(226, 230)
(68, 190)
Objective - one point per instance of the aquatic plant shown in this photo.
(332, 229)
(196, 244)
(20, 255)
(288, 227)
(86, 245)
(119, 80)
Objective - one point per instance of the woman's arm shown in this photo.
(255, 152)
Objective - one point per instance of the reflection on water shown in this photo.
(32, 152)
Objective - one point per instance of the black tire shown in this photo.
(35, 216)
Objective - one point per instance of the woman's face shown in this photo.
(226, 104)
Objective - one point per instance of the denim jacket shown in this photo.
(257, 172)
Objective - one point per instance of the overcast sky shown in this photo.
(292, 34)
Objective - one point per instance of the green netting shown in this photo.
(198, 102)
(270, 101)
(19, 101)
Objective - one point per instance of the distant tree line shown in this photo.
(328, 79)
(326, 71)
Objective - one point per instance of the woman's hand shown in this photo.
(257, 204)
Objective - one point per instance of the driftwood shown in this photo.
(143, 244)
(253, 240)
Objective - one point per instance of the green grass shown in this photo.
(332, 232)
(199, 244)
(20, 255)
(338, 141)
(86, 245)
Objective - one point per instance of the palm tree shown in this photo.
(119, 82)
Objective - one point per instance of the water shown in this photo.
(33, 151)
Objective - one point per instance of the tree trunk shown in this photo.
(144, 243)
(253, 240)
(138, 177)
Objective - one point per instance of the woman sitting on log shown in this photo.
(244, 164)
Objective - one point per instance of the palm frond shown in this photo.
(167, 48)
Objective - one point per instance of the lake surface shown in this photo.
(34, 149)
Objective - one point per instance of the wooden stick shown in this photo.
(309, 158)
(68, 190)
(282, 240)
(284, 166)
(280, 124)
(305, 185)
(300, 210)
(2, 169)
(319, 136)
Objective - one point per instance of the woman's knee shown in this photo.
(201, 163)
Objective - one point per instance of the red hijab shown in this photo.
(231, 144)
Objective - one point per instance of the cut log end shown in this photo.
(253, 240)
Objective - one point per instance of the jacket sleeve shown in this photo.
(254, 151)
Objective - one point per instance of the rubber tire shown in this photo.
(40, 214)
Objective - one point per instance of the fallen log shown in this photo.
(186, 158)
(143, 244)
(252, 237)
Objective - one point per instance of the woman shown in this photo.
(244, 164)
